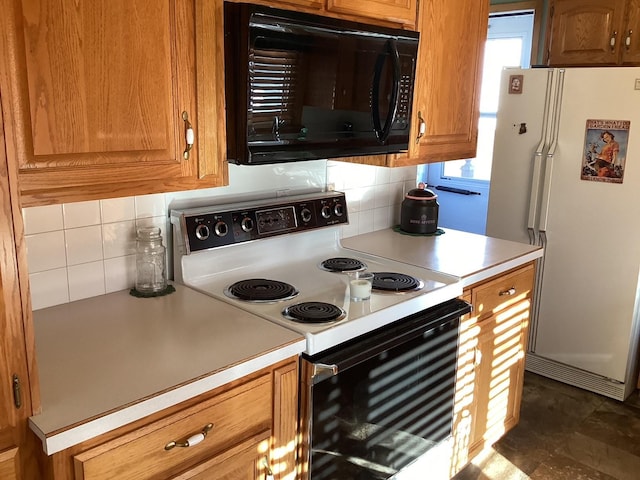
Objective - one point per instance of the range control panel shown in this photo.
(209, 228)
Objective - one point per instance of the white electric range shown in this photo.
(268, 257)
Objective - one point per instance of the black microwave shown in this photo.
(306, 87)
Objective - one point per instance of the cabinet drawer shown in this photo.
(237, 414)
(498, 294)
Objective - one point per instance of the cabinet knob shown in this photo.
(612, 40)
(627, 41)
(192, 440)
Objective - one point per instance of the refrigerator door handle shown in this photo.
(546, 188)
(537, 163)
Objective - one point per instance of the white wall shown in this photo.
(85, 249)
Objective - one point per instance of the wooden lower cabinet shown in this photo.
(244, 462)
(491, 362)
(9, 464)
(240, 431)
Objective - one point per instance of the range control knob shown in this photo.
(338, 209)
(221, 229)
(202, 232)
(326, 211)
(247, 224)
(305, 213)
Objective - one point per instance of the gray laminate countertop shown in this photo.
(109, 360)
(469, 256)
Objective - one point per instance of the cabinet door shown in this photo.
(630, 39)
(96, 95)
(585, 32)
(397, 11)
(17, 401)
(498, 381)
(447, 91)
(246, 461)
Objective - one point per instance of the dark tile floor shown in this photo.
(565, 433)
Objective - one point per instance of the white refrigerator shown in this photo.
(566, 175)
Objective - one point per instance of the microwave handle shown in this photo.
(382, 133)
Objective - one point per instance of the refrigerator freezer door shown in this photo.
(518, 152)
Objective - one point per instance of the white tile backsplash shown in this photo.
(119, 273)
(42, 219)
(118, 209)
(81, 214)
(150, 206)
(83, 244)
(374, 194)
(119, 239)
(86, 280)
(85, 249)
(46, 251)
(49, 288)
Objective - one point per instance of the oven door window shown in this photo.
(378, 416)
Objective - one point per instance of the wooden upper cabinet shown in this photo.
(96, 95)
(447, 90)
(397, 11)
(592, 33)
(630, 40)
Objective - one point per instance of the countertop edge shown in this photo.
(56, 442)
(500, 268)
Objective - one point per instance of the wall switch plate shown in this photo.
(637, 87)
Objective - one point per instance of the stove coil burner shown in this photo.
(314, 312)
(261, 290)
(343, 264)
(395, 282)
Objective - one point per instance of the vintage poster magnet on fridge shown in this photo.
(605, 150)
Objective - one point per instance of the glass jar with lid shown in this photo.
(150, 261)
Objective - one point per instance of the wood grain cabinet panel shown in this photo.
(397, 11)
(491, 354)
(234, 415)
(630, 40)
(243, 462)
(254, 432)
(593, 33)
(9, 464)
(96, 92)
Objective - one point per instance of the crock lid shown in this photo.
(421, 193)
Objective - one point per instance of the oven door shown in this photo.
(377, 404)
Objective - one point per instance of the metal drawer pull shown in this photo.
(511, 291)
(192, 440)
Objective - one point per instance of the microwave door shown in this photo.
(382, 131)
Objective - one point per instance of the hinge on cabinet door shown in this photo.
(17, 393)
(553, 7)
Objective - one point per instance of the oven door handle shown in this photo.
(322, 371)
(433, 322)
